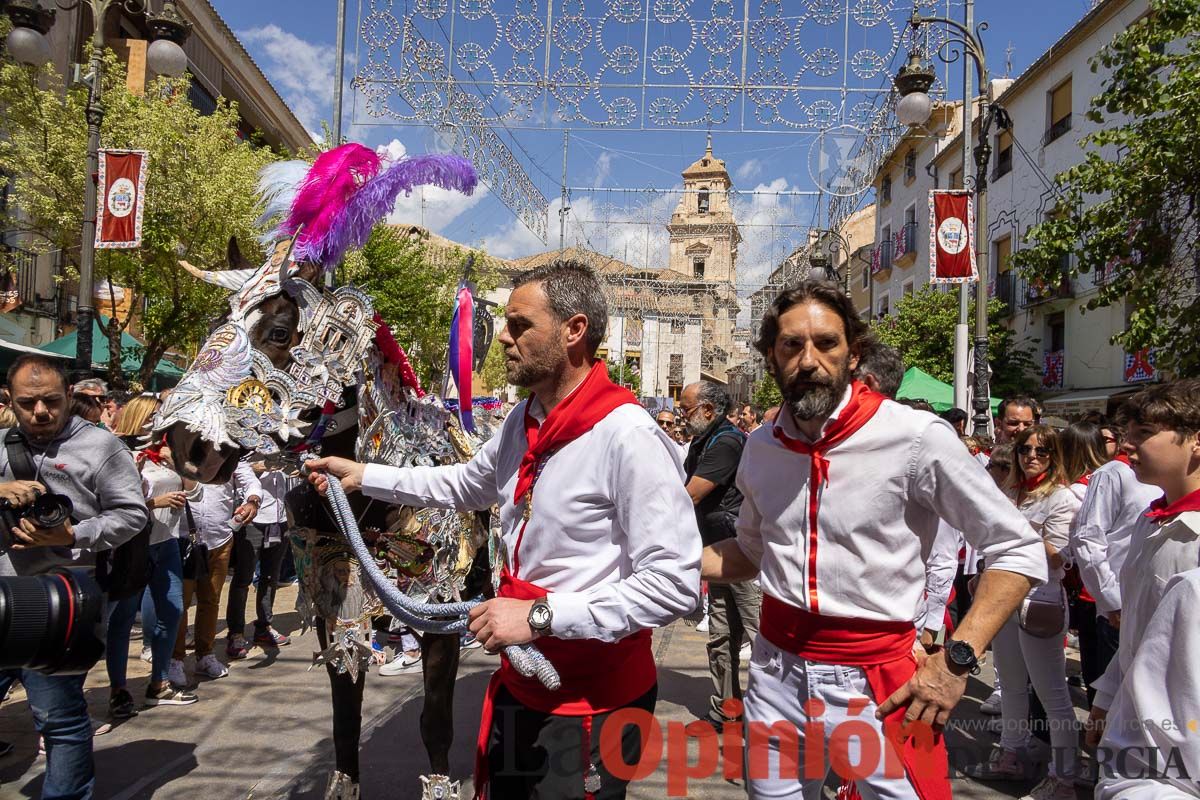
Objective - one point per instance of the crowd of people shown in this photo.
(861, 553)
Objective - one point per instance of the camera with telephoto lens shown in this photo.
(48, 510)
(51, 623)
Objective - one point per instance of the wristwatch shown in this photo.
(540, 616)
(961, 657)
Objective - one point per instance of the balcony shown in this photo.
(905, 245)
(24, 266)
(881, 260)
(1038, 292)
(1056, 130)
(1006, 290)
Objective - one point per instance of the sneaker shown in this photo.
(210, 666)
(235, 647)
(147, 655)
(991, 705)
(169, 695)
(1051, 788)
(399, 666)
(1073, 643)
(6, 748)
(175, 674)
(702, 625)
(120, 705)
(469, 642)
(1002, 765)
(744, 653)
(271, 638)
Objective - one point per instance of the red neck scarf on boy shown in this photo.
(1159, 509)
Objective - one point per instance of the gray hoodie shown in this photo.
(94, 469)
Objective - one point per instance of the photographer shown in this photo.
(52, 451)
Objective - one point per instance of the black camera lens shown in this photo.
(50, 510)
(49, 623)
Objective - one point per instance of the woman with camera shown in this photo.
(1029, 648)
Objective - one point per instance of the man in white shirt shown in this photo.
(1163, 445)
(599, 538)
(842, 501)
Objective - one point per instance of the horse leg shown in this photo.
(439, 670)
(346, 695)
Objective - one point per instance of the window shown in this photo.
(678, 327)
(703, 201)
(1059, 118)
(866, 281)
(909, 288)
(956, 179)
(1056, 332)
(909, 240)
(910, 166)
(1003, 250)
(698, 268)
(885, 190)
(1004, 148)
(883, 307)
(201, 99)
(885, 255)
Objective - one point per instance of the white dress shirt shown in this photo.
(612, 535)
(1112, 505)
(1157, 707)
(889, 482)
(213, 512)
(1156, 554)
(275, 485)
(1051, 515)
(940, 570)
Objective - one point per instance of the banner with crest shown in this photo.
(951, 237)
(119, 195)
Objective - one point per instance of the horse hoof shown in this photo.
(439, 787)
(341, 787)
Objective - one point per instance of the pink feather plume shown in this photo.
(323, 196)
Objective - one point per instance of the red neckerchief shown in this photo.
(862, 406)
(1084, 479)
(1160, 510)
(1124, 459)
(1029, 484)
(574, 416)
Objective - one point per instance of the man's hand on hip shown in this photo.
(21, 493)
(931, 694)
(350, 473)
(28, 536)
(501, 622)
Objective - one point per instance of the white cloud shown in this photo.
(748, 170)
(300, 70)
(603, 168)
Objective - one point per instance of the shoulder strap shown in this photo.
(19, 459)
(191, 521)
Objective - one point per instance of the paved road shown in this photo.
(264, 731)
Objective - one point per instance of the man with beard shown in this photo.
(711, 468)
(599, 537)
(841, 502)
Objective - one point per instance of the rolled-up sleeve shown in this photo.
(654, 513)
(123, 511)
(466, 487)
(957, 488)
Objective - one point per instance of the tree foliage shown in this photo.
(629, 377)
(766, 393)
(1129, 210)
(414, 293)
(922, 329)
(199, 192)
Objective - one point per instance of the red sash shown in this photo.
(1160, 510)
(883, 650)
(597, 677)
(862, 406)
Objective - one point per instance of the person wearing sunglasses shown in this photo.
(1029, 646)
(93, 402)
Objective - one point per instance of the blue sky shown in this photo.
(293, 41)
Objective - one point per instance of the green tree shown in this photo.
(922, 329)
(629, 377)
(766, 393)
(1130, 209)
(199, 192)
(414, 293)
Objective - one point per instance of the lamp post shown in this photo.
(165, 56)
(819, 262)
(914, 109)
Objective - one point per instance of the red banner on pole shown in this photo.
(951, 237)
(122, 181)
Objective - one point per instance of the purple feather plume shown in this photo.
(321, 203)
(377, 198)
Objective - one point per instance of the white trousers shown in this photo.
(1023, 659)
(1117, 788)
(811, 700)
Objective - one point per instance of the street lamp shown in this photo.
(165, 56)
(914, 109)
(819, 262)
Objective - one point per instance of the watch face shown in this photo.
(962, 654)
(539, 616)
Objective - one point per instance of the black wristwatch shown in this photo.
(961, 657)
(540, 616)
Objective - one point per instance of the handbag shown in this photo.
(1043, 618)
(192, 552)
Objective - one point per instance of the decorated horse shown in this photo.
(293, 370)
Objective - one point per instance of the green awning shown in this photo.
(920, 385)
(131, 350)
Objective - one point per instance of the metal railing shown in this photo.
(1057, 129)
(1006, 290)
(1037, 292)
(906, 240)
(884, 259)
